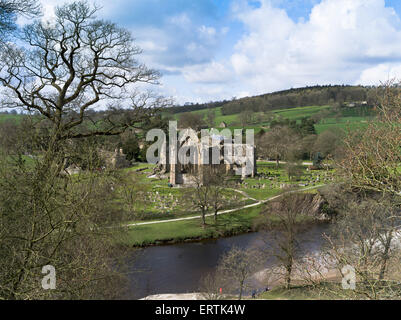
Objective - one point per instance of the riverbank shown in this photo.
(185, 231)
(189, 229)
(298, 291)
(180, 268)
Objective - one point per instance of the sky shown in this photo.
(210, 50)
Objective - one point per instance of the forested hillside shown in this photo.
(299, 97)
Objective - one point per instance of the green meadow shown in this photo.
(349, 118)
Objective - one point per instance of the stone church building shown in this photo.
(194, 156)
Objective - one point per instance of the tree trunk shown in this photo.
(203, 218)
(288, 277)
(240, 290)
(288, 268)
(385, 257)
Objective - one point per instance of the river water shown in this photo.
(178, 268)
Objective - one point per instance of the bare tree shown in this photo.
(286, 213)
(372, 155)
(279, 143)
(210, 286)
(210, 117)
(365, 238)
(191, 120)
(246, 117)
(9, 134)
(65, 68)
(61, 71)
(217, 180)
(200, 197)
(210, 184)
(237, 266)
(11, 9)
(48, 218)
(327, 143)
(26, 7)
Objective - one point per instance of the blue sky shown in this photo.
(219, 49)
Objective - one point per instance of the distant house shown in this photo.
(355, 104)
(223, 125)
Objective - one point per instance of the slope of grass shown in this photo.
(6, 117)
(227, 224)
(351, 118)
(299, 112)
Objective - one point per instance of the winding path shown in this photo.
(224, 211)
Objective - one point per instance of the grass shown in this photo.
(6, 117)
(190, 230)
(178, 203)
(351, 118)
(277, 177)
(159, 202)
(236, 222)
(301, 292)
(227, 224)
(299, 112)
(338, 126)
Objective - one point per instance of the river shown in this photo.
(178, 268)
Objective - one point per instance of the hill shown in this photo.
(291, 98)
(328, 106)
(325, 117)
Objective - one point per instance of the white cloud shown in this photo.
(341, 42)
(224, 30)
(214, 72)
(181, 20)
(207, 32)
(381, 72)
(151, 46)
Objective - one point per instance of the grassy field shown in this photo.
(191, 230)
(6, 117)
(346, 123)
(299, 112)
(272, 178)
(348, 119)
(228, 223)
(158, 201)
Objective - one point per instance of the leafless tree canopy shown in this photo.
(72, 64)
(28, 8)
(236, 267)
(10, 9)
(61, 71)
(372, 156)
(63, 221)
(287, 210)
(281, 143)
